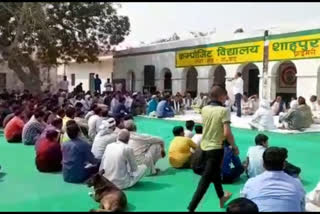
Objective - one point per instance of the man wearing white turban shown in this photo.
(104, 137)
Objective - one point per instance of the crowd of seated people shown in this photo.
(80, 134)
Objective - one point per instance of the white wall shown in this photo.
(307, 71)
(103, 69)
(123, 65)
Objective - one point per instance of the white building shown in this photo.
(195, 64)
(75, 73)
(85, 72)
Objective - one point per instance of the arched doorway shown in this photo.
(167, 81)
(219, 76)
(250, 75)
(132, 80)
(192, 81)
(286, 81)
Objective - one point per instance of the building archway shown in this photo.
(250, 75)
(219, 76)
(192, 81)
(285, 80)
(132, 80)
(167, 79)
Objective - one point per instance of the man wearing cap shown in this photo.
(104, 137)
(274, 190)
(147, 149)
(119, 163)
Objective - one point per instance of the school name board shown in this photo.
(227, 54)
(300, 47)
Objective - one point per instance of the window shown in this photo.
(73, 79)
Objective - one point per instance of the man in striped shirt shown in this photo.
(33, 128)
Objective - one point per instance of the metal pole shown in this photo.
(265, 65)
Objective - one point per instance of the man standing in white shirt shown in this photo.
(64, 84)
(108, 86)
(238, 91)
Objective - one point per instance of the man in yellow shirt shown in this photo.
(216, 128)
(179, 150)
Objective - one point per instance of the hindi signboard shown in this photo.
(225, 54)
(298, 47)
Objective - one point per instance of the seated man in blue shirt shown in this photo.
(120, 109)
(152, 104)
(164, 109)
(229, 175)
(274, 190)
(76, 155)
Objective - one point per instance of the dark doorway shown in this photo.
(192, 81)
(149, 75)
(253, 82)
(167, 81)
(250, 76)
(219, 76)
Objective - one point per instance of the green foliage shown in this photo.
(60, 30)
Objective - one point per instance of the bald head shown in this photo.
(124, 136)
(130, 126)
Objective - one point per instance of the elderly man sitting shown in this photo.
(292, 119)
(147, 149)
(263, 118)
(119, 163)
(306, 110)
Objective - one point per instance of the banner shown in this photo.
(299, 47)
(226, 54)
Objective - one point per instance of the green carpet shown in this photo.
(23, 188)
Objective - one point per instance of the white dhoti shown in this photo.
(150, 158)
(135, 176)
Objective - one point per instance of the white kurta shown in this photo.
(146, 149)
(197, 138)
(101, 141)
(313, 200)
(238, 86)
(188, 133)
(263, 118)
(92, 124)
(120, 165)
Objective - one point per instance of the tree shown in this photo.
(36, 34)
